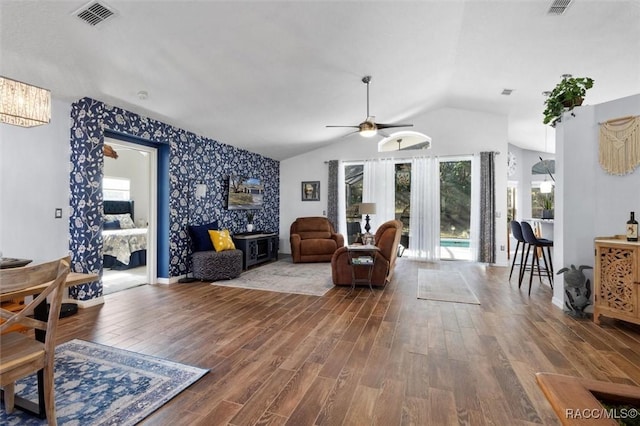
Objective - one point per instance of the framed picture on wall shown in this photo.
(311, 191)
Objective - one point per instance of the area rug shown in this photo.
(284, 276)
(444, 286)
(102, 385)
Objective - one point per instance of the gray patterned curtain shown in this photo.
(487, 240)
(332, 194)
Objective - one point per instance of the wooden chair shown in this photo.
(21, 354)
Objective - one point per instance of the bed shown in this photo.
(124, 244)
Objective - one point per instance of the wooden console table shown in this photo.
(256, 247)
(617, 279)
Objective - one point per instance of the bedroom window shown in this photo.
(116, 189)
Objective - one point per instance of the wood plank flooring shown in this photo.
(384, 358)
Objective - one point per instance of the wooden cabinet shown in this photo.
(256, 248)
(617, 279)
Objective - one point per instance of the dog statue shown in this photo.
(578, 290)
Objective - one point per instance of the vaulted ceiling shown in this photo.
(268, 76)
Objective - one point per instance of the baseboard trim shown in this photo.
(83, 304)
(558, 302)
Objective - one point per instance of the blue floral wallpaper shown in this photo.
(193, 159)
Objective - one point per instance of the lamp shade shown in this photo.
(367, 208)
(22, 104)
(546, 187)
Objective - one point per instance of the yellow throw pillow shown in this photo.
(221, 240)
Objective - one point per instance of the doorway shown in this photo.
(512, 199)
(130, 174)
(353, 197)
(455, 209)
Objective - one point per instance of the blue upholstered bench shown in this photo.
(216, 265)
(208, 264)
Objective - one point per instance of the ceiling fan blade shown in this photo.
(369, 127)
(388, 126)
(349, 134)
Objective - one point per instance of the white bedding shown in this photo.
(120, 243)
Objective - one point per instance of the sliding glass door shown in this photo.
(353, 198)
(455, 209)
(413, 192)
(403, 199)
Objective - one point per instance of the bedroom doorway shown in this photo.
(129, 179)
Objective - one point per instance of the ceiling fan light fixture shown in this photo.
(368, 133)
(368, 128)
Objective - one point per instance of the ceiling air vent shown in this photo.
(507, 92)
(94, 13)
(558, 7)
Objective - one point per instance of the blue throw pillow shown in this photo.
(111, 225)
(200, 236)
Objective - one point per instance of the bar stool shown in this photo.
(537, 243)
(516, 231)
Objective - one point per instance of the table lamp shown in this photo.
(367, 209)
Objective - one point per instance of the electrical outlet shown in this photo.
(498, 215)
(502, 248)
(58, 213)
(324, 212)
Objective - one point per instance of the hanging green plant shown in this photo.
(567, 94)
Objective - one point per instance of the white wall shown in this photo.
(34, 181)
(519, 178)
(453, 132)
(132, 165)
(589, 202)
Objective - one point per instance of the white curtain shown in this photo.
(424, 224)
(378, 187)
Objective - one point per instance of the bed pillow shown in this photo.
(200, 236)
(111, 225)
(221, 240)
(125, 220)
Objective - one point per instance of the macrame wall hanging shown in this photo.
(620, 145)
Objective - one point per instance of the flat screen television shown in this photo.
(245, 193)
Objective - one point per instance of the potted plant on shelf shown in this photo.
(547, 207)
(249, 221)
(567, 94)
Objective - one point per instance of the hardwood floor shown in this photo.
(384, 358)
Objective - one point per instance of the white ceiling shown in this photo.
(268, 76)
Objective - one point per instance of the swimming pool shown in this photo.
(454, 242)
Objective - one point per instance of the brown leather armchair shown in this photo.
(387, 239)
(313, 239)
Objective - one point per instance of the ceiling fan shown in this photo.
(369, 127)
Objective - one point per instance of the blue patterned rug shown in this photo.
(100, 385)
